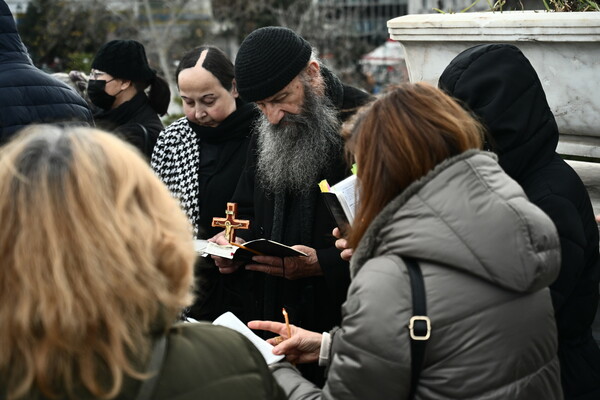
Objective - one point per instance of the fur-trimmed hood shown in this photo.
(469, 215)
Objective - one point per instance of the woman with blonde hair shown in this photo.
(449, 293)
(97, 263)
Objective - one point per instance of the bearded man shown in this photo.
(296, 145)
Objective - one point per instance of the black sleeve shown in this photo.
(244, 192)
(336, 272)
(572, 243)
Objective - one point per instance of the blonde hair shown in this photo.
(96, 257)
(399, 138)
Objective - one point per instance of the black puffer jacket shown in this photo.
(27, 94)
(499, 84)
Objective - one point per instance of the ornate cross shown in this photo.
(230, 223)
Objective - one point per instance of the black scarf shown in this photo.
(230, 128)
(121, 115)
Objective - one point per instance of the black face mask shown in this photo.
(98, 95)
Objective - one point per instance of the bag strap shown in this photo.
(419, 325)
(146, 139)
(157, 359)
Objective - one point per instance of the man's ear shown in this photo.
(314, 74)
(234, 91)
(313, 69)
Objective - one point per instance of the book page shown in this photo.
(346, 189)
(229, 320)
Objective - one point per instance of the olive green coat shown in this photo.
(202, 361)
(206, 361)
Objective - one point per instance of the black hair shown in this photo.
(159, 95)
(216, 62)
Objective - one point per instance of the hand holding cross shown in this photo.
(230, 223)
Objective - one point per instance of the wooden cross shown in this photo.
(230, 223)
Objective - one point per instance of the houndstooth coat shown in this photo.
(176, 160)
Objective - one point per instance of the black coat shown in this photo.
(27, 94)
(313, 303)
(177, 161)
(135, 121)
(499, 84)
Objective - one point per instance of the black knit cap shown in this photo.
(124, 59)
(269, 59)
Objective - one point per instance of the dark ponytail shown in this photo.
(159, 95)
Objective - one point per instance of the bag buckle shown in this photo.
(411, 327)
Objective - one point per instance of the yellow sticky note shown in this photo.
(324, 186)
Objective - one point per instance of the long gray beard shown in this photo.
(293, 154)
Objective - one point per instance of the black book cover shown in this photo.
(266, 247)
(245, 252)
(337, 211)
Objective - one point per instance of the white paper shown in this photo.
(229, 320)
(224, 250)
(200, 245)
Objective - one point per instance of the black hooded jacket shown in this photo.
(27, 94)
(501, 87)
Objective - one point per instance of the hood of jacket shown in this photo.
(499, 84)
(12, 49)
(467, 214)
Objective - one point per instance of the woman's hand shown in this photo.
(225, 265)
(342, 244)
(303, 347)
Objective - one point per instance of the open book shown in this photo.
(246, 251)
(341, 199)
